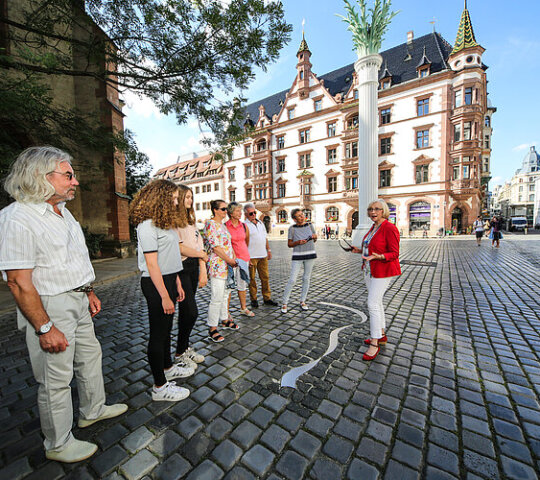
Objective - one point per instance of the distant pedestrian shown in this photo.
(495, 233)
(380, 254)
(44, 259)
(301, 239)
(240, 239)
(154, 211)
(193, 275)
(259, 256)
(221, 264)
(478, 226)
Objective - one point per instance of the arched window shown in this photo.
(419, 216)
(332, 214)
(352, 122)
(282, 216)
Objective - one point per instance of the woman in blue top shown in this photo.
(155, 214)
(302, 240)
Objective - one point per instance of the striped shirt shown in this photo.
(33, 236)
(302, 232)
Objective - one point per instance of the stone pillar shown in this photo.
(367, 69)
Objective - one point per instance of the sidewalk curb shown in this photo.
(97, 283)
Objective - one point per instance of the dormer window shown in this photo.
(290, 113)
(423, 72)
(385, 84)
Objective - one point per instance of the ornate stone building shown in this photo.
(434, 140)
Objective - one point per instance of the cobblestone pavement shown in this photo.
(454, 394)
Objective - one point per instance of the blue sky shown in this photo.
(507, 30)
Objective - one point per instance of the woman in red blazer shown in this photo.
(380, 253)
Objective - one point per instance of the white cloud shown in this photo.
(140, 106)
(497, 181)
(524, 146)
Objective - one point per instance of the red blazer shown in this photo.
(385, 241)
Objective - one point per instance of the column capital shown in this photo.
(367, 68)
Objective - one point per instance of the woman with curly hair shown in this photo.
(221, 256)
(154, 211)
(193, 275)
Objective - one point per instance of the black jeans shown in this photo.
(159, 343)
(187, 309)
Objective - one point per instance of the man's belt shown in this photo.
(84, 288)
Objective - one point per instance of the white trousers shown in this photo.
(295, 270)
(54, 371)
(376, 288)
(218, 308)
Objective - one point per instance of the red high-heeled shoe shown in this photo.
(372, 357)
(382, 341)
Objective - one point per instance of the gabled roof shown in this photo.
(189, 168)
(339, 81)
(425, 60)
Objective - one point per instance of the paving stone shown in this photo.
(338, 449)
(292, 466)
(478, 443)
(373, 451)
(407, 454)
(324, 469)
(209, 411)
(318, 425)
(444, 438)
(517, 470)
(219, 429)
(443, 459)
(275, 438)
(360, 470)
(515, 450)
(411, 435)
(227, 454)
(395, 470)
(290, 421)
(18, 469)
(197, 448)
(190, 426)
(348, 429)
(207, 470)
(435, 474)
(306, 444)
(166, 443)
(275, 402)
(235, 413)
(262, 417)
(240, 473)
(246, 434)
(50, 471)
(380, 432)
(258, 459)
(508, 430)
(330, 409)
(107, 461)
(111, 435)
(482, 465)
(173, 468)
(139, 465)
(138, 439)
(250, 400)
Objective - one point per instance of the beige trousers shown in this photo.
(54, 371)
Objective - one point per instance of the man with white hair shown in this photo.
(259, 254)
(43, 257)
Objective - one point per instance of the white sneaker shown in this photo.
(185, 361)
(170, 393)
(76, 451)
(193, 355)
(179, 370)
(303, 306)
(284, 309)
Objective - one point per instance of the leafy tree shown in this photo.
(191, 57)
(138, 168)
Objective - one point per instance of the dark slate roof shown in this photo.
(339, 81)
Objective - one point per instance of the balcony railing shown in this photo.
(349, 133)
(262, 203)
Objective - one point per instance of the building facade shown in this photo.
(519, 197)
(204, 175)
(434, 140)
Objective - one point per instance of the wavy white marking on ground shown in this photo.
(359, 312)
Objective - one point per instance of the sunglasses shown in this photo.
(374, 209)
(223, 209)
(251, 213)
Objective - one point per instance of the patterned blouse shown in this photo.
(217, 235)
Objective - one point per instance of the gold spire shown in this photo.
(465, 34)
(303, 45)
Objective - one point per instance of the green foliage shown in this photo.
(94, 242)
(368, 35)
(138, 168)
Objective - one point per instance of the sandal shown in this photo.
(229, 323)
(215, 336)
(246, 312)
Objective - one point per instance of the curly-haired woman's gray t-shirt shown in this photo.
(165, 242)
(301, 232)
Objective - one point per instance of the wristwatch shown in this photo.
(45, 328)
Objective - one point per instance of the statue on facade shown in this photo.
(368, 34)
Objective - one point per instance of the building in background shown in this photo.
(204, 175)
(519, 196)
(434, 140)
